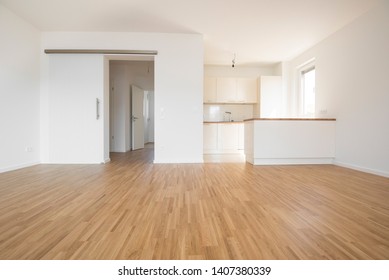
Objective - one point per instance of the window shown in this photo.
(307, 91)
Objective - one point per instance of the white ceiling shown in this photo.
(258, 31)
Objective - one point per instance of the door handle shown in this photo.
(134, 118)
(97, 109)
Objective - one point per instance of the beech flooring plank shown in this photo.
(131, 208)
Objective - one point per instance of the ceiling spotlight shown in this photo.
(233, 61)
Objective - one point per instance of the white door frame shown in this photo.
(106, 112)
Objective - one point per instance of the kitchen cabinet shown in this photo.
(210, 90)
(223, 138)
(270, 97)
(228, 137)
(246, 90)
(241, 136)
(226, 90)
(210, 134)
(230, 90)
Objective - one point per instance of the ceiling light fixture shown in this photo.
(233, 61)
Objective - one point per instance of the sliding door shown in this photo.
(76, 86)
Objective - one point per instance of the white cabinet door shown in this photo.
(223, 138)
(246, 90)
(240, 136)
(210, 134)
(209, 89)
(228, 138)
(270, 97)
(226, 90)
(230, 90)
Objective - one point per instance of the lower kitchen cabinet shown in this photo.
(210, 137)
(223, 138)
(241, 137)
(228, 137)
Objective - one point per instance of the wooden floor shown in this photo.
(133, 209)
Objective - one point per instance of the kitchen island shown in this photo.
(289, 141)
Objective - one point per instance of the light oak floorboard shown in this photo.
(131, 208)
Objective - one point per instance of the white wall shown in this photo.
(19, 92)
(178, 86)
(139, 73)
(216, 112)
(352, 85)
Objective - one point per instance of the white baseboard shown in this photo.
(363, 169)
(107, 160)
(290, 161)
(200, 160)
(19, 166)
(224, 158)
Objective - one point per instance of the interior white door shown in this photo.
(75, 109)
(137, 118)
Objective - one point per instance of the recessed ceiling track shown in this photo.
(82, 51)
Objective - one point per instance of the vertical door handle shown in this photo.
(97, 108)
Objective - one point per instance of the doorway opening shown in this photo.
(131, 109)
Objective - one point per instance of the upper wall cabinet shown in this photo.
(230, 90)
(226, 90)
(246, 90)
(210, 90)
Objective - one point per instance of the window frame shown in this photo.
(301, 71)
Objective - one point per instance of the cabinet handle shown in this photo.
(97, 108)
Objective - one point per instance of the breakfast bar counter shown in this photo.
(289, 140)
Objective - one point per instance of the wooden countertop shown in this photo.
(291, 119)
(215, 122)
